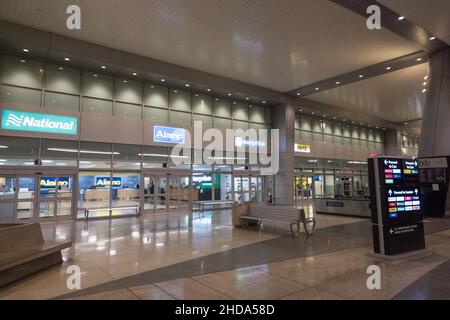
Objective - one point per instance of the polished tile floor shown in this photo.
(206, 258)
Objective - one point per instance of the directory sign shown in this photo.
(392, 169)
(410, 171)
(402, 201)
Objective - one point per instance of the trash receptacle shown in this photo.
(236, 212)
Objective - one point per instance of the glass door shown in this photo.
(55, 197)
(149, 193)
(185, 191)
(7, 198)
(161, 204)
(174, 193)
(26, 198)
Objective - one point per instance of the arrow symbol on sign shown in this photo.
(385, 161)
(391, 231)
(390, 192)
(416, 191)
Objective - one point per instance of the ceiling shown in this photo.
(281, 45)
(432, 15)
(396, 96)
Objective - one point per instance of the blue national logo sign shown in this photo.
(169, 135)
(38, 122)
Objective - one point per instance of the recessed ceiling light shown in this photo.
(163, 80)
(337, 82)
(425, 78)
(247, 98)
(317, 88)
(432, 38)
(301, 110)
(25, 50)
(298, 93)
(125, 81)
(103, 67)
(66, 59)
(95, 75)
(264, 102)
(343, 120)
(312, 113)
(388, 68)
(401, 18)
(209, 90)
(424, 84)
(23, 60)
(134, 74)
(229, 94)
(419, 59)
(424, 90)
(361, 76)
(187, 85)
(406, 123)
(334, 118)
(324, 115)
(60, 68)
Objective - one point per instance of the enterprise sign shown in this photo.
(304, 148)
(38, 122)
(169, 135)
(243, 142)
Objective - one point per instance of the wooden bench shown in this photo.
(23, 251)
(261, 214)
(88, 210)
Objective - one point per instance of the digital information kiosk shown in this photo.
(396, 206)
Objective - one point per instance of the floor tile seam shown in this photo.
(216, 290)
(159, 288)
(283, 277)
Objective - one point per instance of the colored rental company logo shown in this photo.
(38, 122)
(169, 135)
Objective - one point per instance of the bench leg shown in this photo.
(295, 228)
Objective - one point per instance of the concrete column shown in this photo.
(283, 118)
(393, 143)
(435, 135)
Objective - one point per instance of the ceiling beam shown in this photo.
(375, 70)
(390, 20)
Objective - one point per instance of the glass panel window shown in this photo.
(156, 96)
(317, 137)
(337, 129)
(346, 132)
(305, 124)
(98, 85)
(221, 123)
(125, 193)
(7, 188)
(97, 105)
(180, 100)
(316, 125)
(127, 152)
(156, 115)
(202, 103)
(306, 136)
(297, 123)
(355, 132)
(256, 114)
(94, 191)
(327, 128)
(240, 125)
(20, 96)
(370, 135)
(62, 101)
(128, 110)
(22, 72)
(95, 150)
(363, 133)
(59, 149)
(180, 118)
(268, 115)
(62, 79)
(222, 108)
(128, 91)
(206, 120)
(240, 111)
(19, 147)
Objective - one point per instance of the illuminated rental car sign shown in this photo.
(104, 182)
(168, 135)
(304, 148)
(38, 122)
(247, 142)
